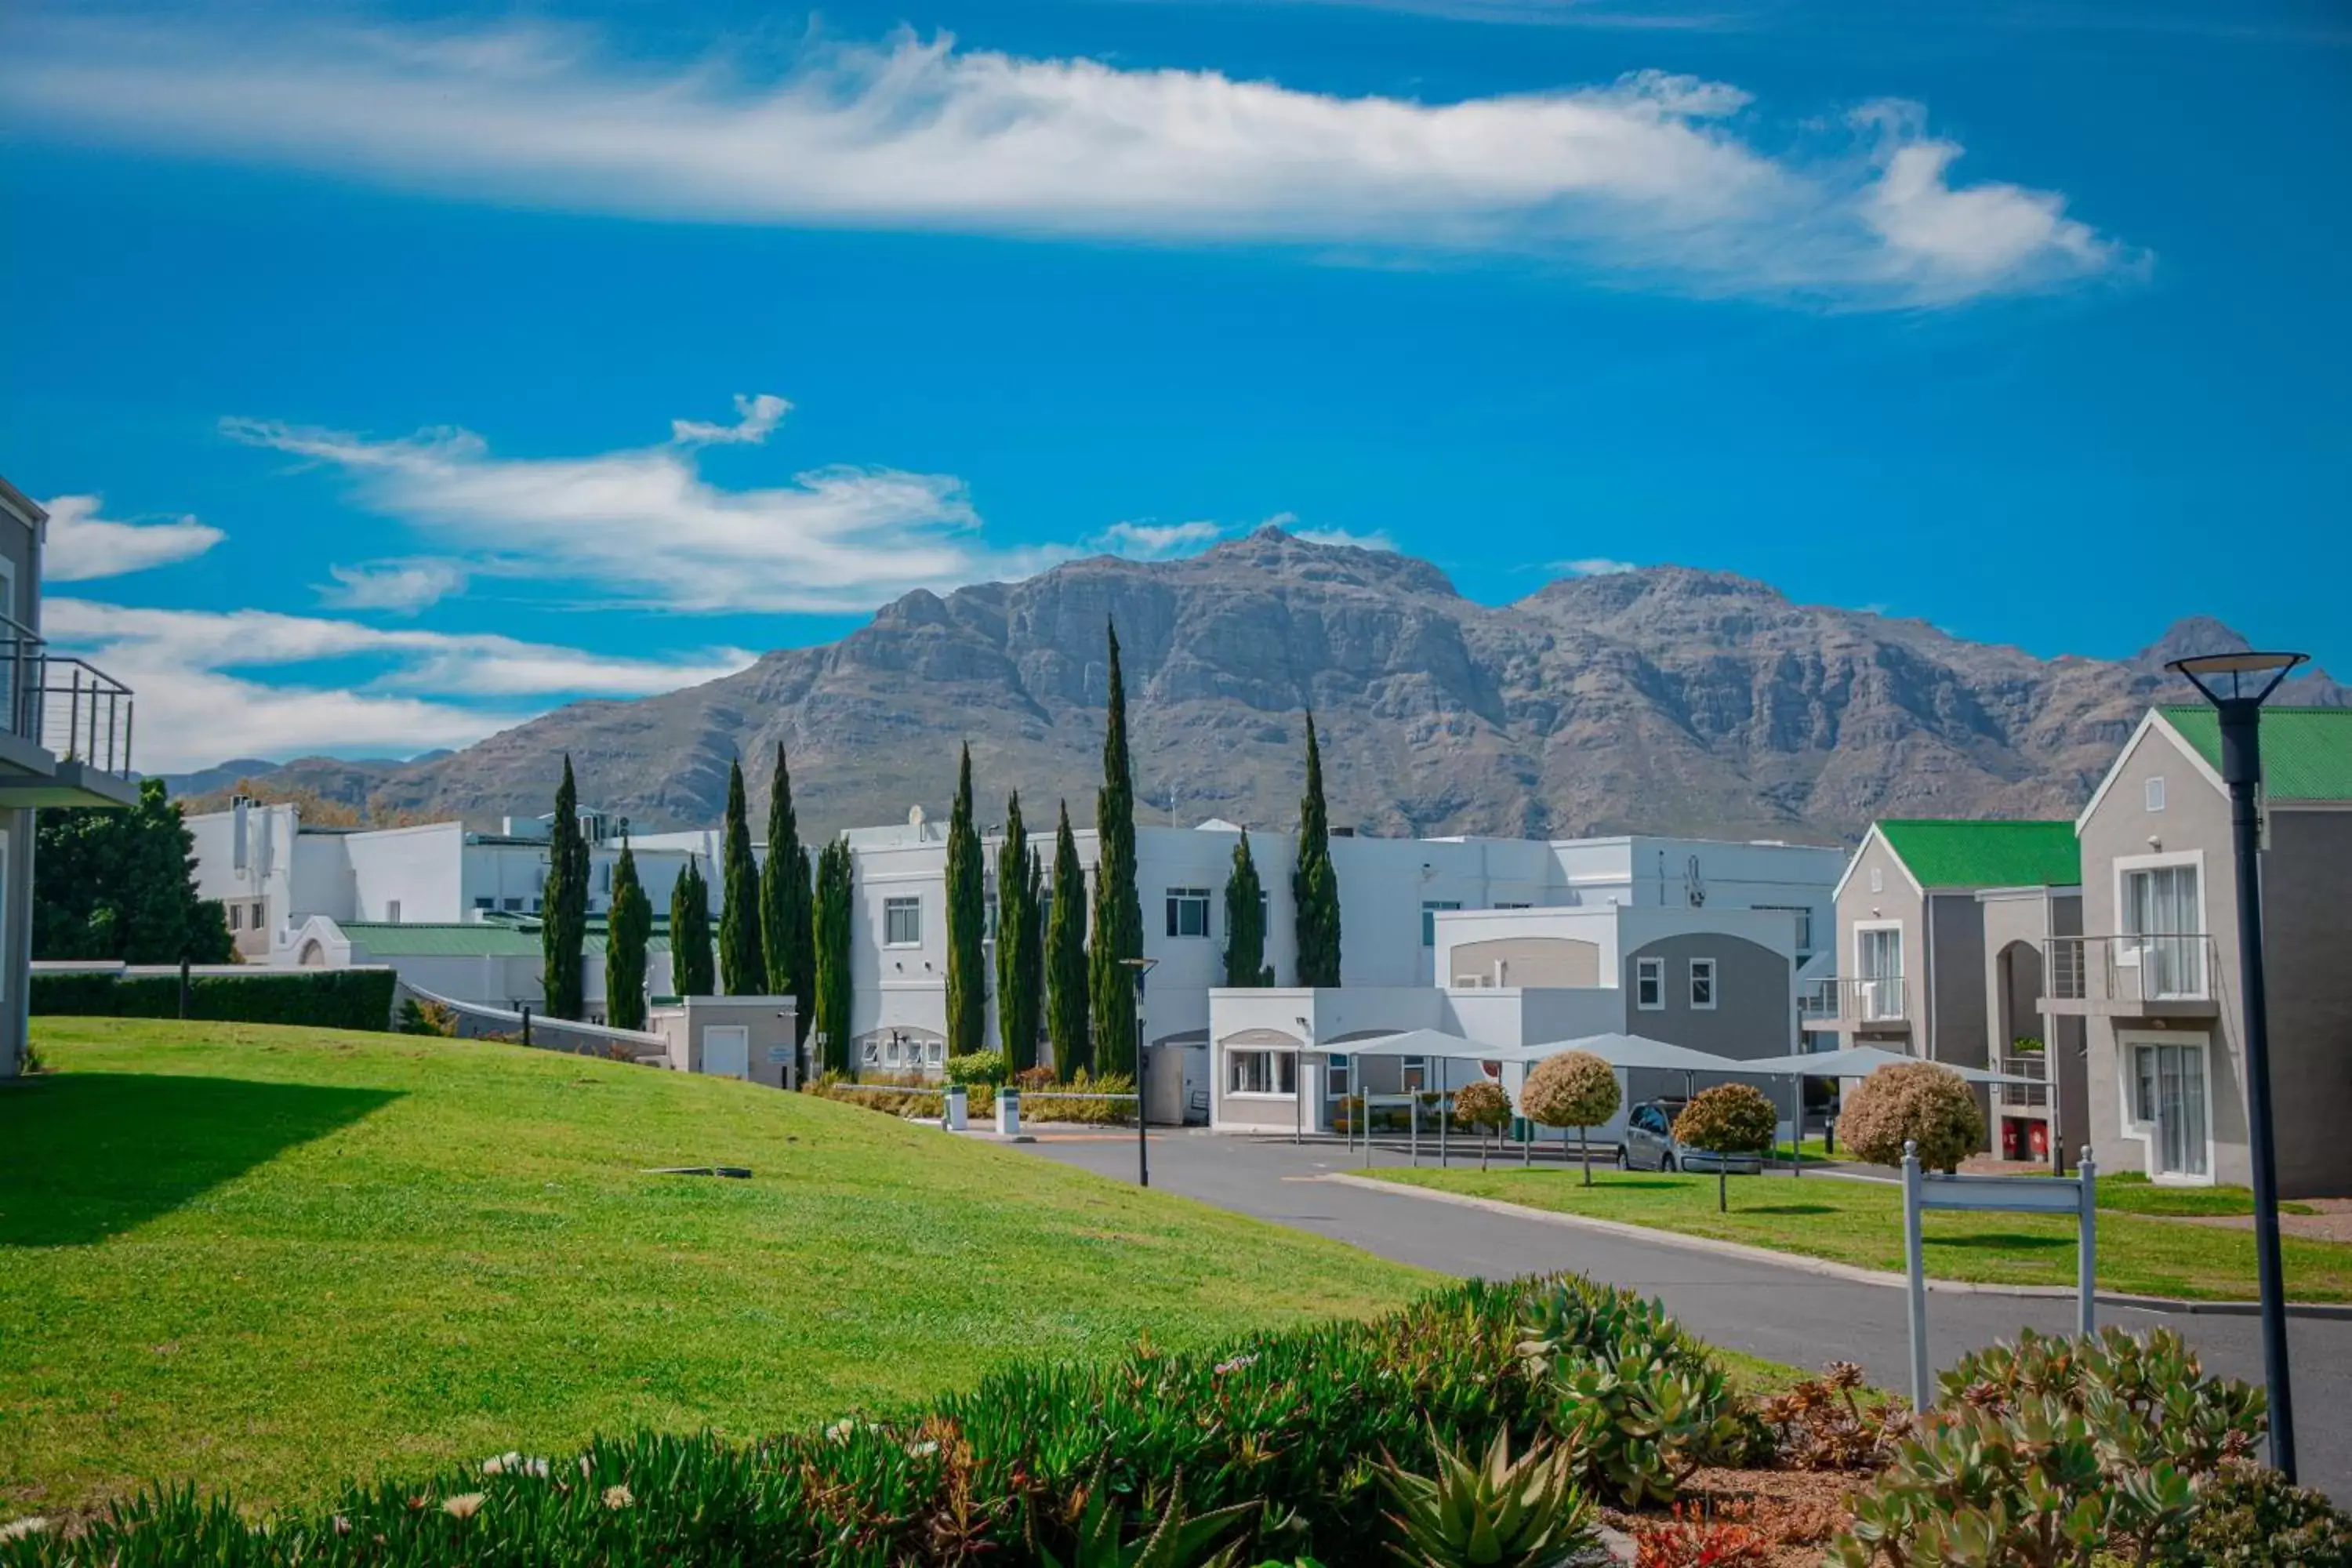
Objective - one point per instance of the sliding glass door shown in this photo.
(2170, 1102)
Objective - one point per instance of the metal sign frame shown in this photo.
(2076, 1194)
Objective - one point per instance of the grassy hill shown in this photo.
(272, 1258)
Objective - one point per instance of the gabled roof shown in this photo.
(1952, 854)
(2306, 752)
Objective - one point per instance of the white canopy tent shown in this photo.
(1859, 1061)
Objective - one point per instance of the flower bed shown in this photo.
(912, 1095)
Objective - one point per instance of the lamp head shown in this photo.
(2249, 676)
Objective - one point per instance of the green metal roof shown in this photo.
(2306, 752)
(423, 939)
(1957, 853)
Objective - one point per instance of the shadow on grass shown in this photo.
(2005, 1241)
(1785, 1208)
(84, 1155)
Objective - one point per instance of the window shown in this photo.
(2168, 1102)
(902, 922)
(1650, 984)
(1878, 879)
(1878, 969)
(236, 917)
(392, 910)
(1416, 1073)
(1515, 906)
(871, 1053)
(1261, 1072)
(2155, 788)
(937, 1052)
(1702, 984)
(1429, 919)
(485, 903)
(1335, 1079)
(2161, 909)
(604, 878)
(988, 917)
(1188, 911)
(511, 903)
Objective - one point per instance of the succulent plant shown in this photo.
(1507, 1513)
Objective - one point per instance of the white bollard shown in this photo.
(1008, 1112)
(953, 1099)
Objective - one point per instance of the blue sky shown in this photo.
(398, 373)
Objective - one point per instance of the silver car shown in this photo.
(1651, 1145)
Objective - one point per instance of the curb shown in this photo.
(2322, 1311)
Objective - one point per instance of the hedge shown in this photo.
(323, 998)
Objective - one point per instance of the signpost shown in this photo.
(2076, 1194)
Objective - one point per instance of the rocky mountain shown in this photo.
(1666, 699)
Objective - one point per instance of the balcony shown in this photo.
(2133, 975)
(2024, 1096)
(1872, 1004)
(65, 727)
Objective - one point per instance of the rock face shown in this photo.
(1667, 700)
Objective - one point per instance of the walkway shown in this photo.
(1784, 1314)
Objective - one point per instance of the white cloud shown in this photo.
(401, 586)
(1653, 177)
(417, 689)
(1158, 541)
(643, 527)
(83, 545)
(1593, 567)
(1377, 540)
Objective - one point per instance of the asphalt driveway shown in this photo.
(1783, 1313)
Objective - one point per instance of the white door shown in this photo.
(2161, 909)
(2169, 1100)
(1878, 963)
(727, 1050)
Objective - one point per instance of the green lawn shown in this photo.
(270, 1258)
(1861, 1223)
(2132, 1193)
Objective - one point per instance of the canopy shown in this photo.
(1633, 1051)
(1420, 1043)
(1860, 1061)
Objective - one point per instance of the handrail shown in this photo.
(2132, 967)
(66, 705)
(1867, 999)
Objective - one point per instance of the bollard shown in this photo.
(526, 1024)
(1008, 1112)
(185, 987)
(952, 1108)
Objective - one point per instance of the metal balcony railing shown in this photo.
(2024, 1096)
(2130, 968)
(1870, 999)
(67, 706)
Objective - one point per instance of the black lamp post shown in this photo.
(2237, 684)
(1143, 967)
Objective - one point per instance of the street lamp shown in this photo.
(2237, 684)
(1142, 966)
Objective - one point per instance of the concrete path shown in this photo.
(1785, 1314)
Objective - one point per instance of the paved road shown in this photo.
(1784, 1314)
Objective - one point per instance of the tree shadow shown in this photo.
(2004, 1241)
(85, 1156)
(1785, 1208)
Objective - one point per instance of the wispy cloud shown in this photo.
(401, 586)
(83, 545)
(1652, 178)
(1158, 541)
(1377, 540)
(642, 526)
(416, 689)
(1592, 566)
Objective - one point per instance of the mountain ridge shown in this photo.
(1669, 699)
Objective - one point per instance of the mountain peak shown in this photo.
(1271, 548)
(2187, 637)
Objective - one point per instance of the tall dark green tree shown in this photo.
(692, 974)
(628, 927)
(113, 884)
(743, 961)
(830, 922)
(785, 936)
(1066, 958)
(1245, 964)
(1020, 943)
(967, 923)
(1315, 885)
(563, 904)
(1119, 909)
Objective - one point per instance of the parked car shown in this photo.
(1651, 1145)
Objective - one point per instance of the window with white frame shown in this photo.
(1188, 911)
(1334, 1079)
(1429, 909)
(937, 1051)
(902, 922)
(1650, 984)
(1415, 1073)
(1261, 1072)
(2169, 1104)
(2155, 793)
(2163, 915)
(894, 1052)
(1702, 984)
(236, 917)
(871, 1052)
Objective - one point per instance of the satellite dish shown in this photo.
(915, 818)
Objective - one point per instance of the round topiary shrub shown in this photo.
(1729, 1118)
(1919, 1102)
(1574, 1089)
(1482, 1106)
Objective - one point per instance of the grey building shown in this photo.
(2153, 972)
(65, 739)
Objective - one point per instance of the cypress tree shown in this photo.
(785, 939)
(1020, 950)
(627, 930)
(1314, 886)
(830, 927)
(742, 964)
(1066, 958)
(563, 904)
(689, 932)
(1118, 911)
(1245, 964)
(967, 924)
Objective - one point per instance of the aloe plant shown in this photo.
(1174, 1539)
(1494, 1513)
